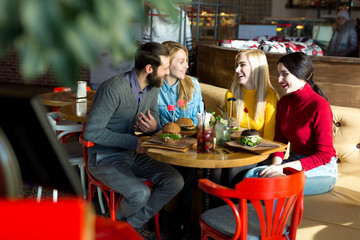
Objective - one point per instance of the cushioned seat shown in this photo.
(213, 97)
(226, 217)
(339, 206)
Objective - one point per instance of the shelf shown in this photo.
(316, 7)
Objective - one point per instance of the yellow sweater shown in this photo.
(266, 125)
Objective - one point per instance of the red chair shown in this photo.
(70, 219)
(111, 197)
(263, 209)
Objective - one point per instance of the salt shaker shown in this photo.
(81, 89)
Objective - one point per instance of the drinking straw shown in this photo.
(231, 105)
(220, 109)
(226, 116)
(203, 133)
(231, 109)
(233, 100)
(247, 116)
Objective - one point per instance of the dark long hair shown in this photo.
(300, 65)
(150, 53)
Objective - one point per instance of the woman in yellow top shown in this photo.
(252, 89)
(256, 100)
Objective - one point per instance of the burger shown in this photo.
(171, 133)
(186, 125)
(234, 124)
(250, 138)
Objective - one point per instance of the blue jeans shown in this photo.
(318, 180)
(124, 172)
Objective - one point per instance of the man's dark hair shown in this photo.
(150, 53)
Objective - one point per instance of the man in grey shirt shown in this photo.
(122, 105)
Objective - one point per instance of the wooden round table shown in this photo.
(63, 98)
(221, 158)
(77, 112)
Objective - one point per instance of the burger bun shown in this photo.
(250, 132)
(171, 128)
(171, 133)
(187, 126)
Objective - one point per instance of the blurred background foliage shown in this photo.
(64, 35)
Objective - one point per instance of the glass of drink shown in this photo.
(205, 140)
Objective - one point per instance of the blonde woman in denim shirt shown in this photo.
(177, 86)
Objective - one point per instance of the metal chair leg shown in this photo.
(101, 202)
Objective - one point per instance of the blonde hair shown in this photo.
(261, 79)
(186, 85)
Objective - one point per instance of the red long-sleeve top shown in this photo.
(304, 118)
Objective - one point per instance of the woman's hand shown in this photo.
(272, 171)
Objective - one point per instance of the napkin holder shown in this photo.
(81, 89)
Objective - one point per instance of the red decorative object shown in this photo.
(171, 107)
(246, 110)
(181, 102)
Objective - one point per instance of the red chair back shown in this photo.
(61, 89)
(274, 200)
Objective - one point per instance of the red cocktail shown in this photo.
(205, 140)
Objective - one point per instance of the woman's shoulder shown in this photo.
(271, 94)
(193, 79)
(319, 101)
(229, 94)
(196, 84)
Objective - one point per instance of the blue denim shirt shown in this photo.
(168, 96)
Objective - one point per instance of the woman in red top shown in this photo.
(304, 119)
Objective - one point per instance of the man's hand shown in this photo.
(146, 124)
(272, 171)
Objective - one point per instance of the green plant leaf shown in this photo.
(64, 35)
